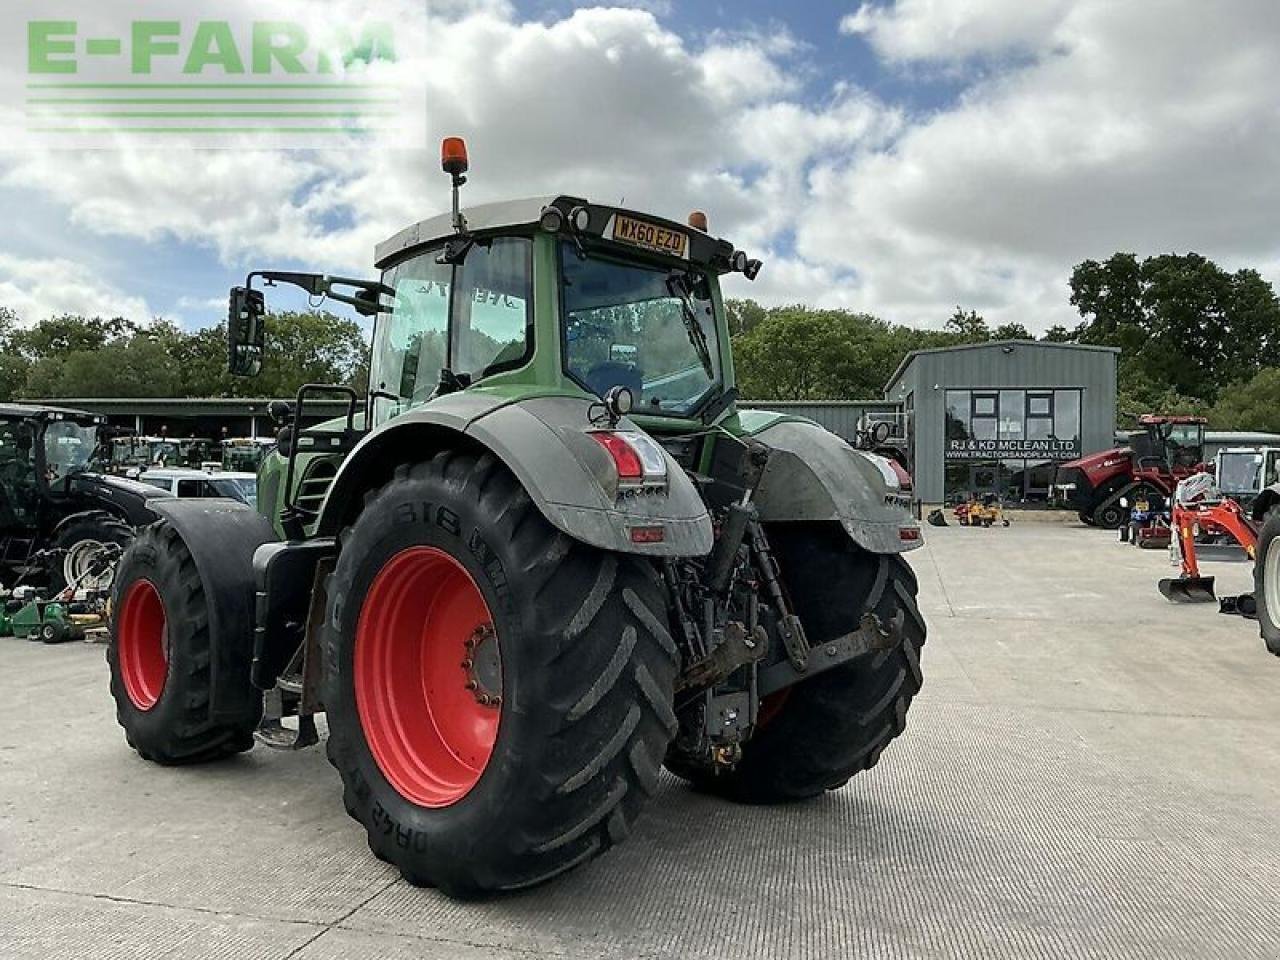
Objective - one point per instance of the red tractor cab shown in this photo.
(1164, 451)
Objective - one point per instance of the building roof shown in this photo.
(194, 406)
(987, 345)
(16, 410)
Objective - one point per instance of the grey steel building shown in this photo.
(997, 417)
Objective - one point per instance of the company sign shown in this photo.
(972, 449)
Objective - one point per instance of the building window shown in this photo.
(1007, 442)
(958, 406)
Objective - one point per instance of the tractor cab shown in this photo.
(555, 295)
(54, 495)
(41, 450)
(1168, 444)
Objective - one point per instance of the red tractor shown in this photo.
(1101, 485)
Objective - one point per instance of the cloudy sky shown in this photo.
(900, 158)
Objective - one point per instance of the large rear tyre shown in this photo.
(499, 696)
(160, 657)
(814, 736)
(1266, 583)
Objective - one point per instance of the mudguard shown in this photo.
(544, 441)
(814, 475)
(222, 536)
(1264, 502)
(129, 500)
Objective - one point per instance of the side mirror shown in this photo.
(246, 331)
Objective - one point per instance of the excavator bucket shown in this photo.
(1188, 589)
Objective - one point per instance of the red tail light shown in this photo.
(625, 459)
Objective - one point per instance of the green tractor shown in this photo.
(545, 556)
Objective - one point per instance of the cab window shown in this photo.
(474, 318)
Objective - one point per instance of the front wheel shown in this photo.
(160, 656)
(499, 696)
(1266, 583)
(80, 546)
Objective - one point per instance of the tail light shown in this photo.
(639, 461)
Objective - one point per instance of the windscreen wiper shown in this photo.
(678, 285)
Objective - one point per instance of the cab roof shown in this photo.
(515, 215)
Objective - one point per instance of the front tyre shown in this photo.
(79, 547)
(815, 735)
(160, 657)
(1266, 582)
(499, 696)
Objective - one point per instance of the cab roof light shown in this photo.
(453, 156)
(551, 220)
(698, 220)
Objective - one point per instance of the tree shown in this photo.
(1253, 405)
(743, 316)
(306, 347)
(1058, 334)
(13, 366)
(969, 326)
(1179, 320)
(1011, 331)
(59, 337)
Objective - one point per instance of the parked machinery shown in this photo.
(1167, 449)
(57, 509)
(245, 454)
(1199, 505)
(547, 556)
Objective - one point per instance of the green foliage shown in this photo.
(1181, 321)
(1252, 405)
(795, 353)
(70, 356)
(1011, 331)
(969, 326)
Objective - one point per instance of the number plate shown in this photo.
(650, 236)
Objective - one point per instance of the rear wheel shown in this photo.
(160, 657)
(817, 734)
(498, 695)
(1266, 582)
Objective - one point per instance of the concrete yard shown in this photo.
(1089, 772)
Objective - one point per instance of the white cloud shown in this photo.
(36, 289)
(1139, 132)
(1113, 126)
(954, 29)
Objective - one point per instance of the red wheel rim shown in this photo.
(140, 639)
(429, 707)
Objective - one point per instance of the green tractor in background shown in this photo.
(543, 557)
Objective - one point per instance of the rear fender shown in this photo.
(84, 515)
(814, 475)
(544, 442)
(1268, 498)
(222, 536)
